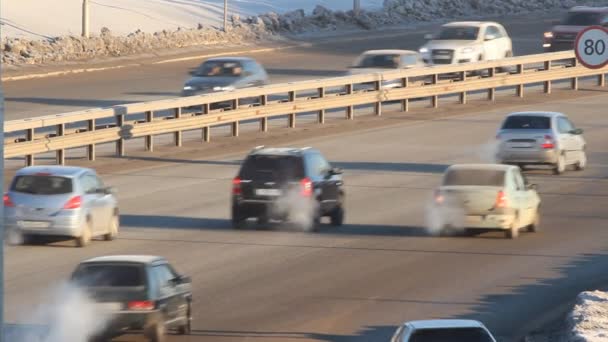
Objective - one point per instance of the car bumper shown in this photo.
(125, 322)
(65, 225)
(489, 221)
(542, 157)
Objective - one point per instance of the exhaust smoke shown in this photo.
(296, 208)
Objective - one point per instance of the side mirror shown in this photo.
(429, 36)
(181, 280)
(490, 37)
(576, 131)
(335, 171)
(109, 190)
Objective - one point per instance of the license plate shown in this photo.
(521, 145)
(109, 306)
(34, 224)
(442, 57)
(268, 192)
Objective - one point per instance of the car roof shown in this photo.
(588, 9)
(280, 151)
(140, 259)
(55, 170)
(471, 23)
(497, 167)
(230, 59)
(539, 113)
(445, 323)
(390, 51)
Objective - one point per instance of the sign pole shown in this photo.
(2, 227)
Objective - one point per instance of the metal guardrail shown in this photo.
(119, 123)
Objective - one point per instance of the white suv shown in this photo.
(470, 41)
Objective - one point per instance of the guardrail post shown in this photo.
(463, 95)
(574, 81)
(29, 159)
(435, 98)
(206, 129)
(405, 103)
(291, 121)
(520, 88)
(177, 136)
(149, 139)
(235, 125)
(120, 143)
(491, 91)
(321, 118)
(264, 120)
(350, 110)
(378, 105)
(61, 152)
(547, 84)
(601, 80)
(91, 147)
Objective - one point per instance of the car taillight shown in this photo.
(306, 187)
(501, 200)
(74, 203)
(7, 201)
(236, 186)
(141, 305)
(548, 142)
(439, 197)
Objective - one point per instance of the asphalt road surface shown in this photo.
(328, 57)
(356, 282)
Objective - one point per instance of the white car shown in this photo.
(467, 41)
(443, 330)
(487, 197)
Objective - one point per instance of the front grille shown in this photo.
(565, 37)
(442, 56)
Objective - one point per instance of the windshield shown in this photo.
(475, 177)
(458, 33)
(109, 276)
(390, 61)
(527, 122)
(42, 185)
(451, 335)
(272, 168)
(582, 19)
(219, 69)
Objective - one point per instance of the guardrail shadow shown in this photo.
(172, 222)
(394, 167)
(370, 333)
(305, 72)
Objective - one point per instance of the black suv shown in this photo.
(295, 184)
(139, 292)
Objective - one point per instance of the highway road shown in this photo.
(357, 282)
(330, 56)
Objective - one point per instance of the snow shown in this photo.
(52, 18)
(589, 318)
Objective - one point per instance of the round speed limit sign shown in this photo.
(591, 47)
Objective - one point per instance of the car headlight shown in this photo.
(227, 88)
(424, 50)
(188, 88)
(548, 34)
(467, 50)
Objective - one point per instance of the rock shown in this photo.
(105, 32)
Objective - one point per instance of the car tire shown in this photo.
(112, 229)
(186, 329)
(337, 216)
(581, 164)
(238, 221)
(156, 333)
(560, 166)
(534, 227)
(85, 236)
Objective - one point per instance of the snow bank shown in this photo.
(589, 318)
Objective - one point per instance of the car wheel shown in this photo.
(582, 162)
(560, 166)
(85, 236)
(337, 216)
(534, 227)
(156, 333)
(238, 221)
(186, 329)
(113, 229)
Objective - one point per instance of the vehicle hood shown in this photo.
(449, 44)
(210, 82)
(567, 29)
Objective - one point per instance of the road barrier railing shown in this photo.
(117, 124)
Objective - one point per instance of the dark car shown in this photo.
(288, 184)
(562, 36)
(141, 293)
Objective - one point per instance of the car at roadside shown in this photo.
(541, 138)
(467, 41)
(487, 197)
(139, 293)
(376, 61)
(287, 184)
(562, 36)
(60, 201)
(435, 330)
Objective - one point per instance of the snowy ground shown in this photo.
(51, 18)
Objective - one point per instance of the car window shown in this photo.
(317, 165)
(564, 125)
(398, 337)
(527, 122)
(272, 168)
(163, 276)
(407, 60)
(110, 276)
(42, 185)
(458, 33)
(474, 177)
(386, 61)
(493, 30)
(219, 68)
(451, 334)
(519, 182)
(89, 183)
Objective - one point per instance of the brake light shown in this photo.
(236, 186)
(501, 200)
(439, 198)
(74, 203)
(548, 142)
(141, 305)
(306, 187)
(7, 201)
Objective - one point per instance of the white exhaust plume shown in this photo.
(486, 153)
(71, 316)
(298, 209)
(439, 217)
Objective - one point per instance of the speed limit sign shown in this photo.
(591, 47)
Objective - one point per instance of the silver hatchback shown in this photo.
(60, 201)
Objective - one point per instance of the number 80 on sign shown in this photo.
(591, 47)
